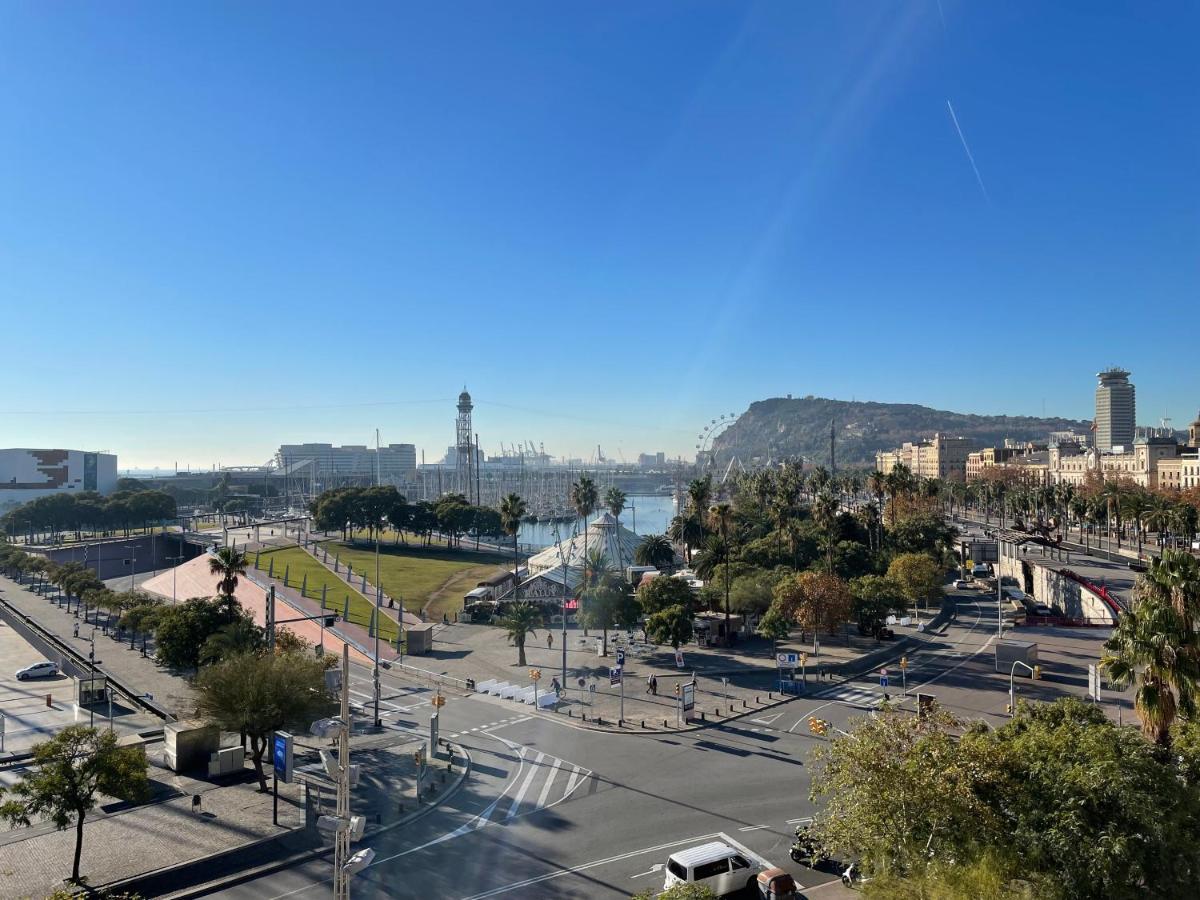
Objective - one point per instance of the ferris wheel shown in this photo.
(709, 433)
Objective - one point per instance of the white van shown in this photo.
(717, 866)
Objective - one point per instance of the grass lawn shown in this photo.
(430, 578)
(298, 564)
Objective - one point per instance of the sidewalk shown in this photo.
(171, 691)
(728, 682)
(149, 837)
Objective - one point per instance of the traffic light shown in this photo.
(814, 724)
(904, 662)
(419, 757)
(803, 659)
(438, 701)
(678, 690)
(535, 674)
(1037, 673)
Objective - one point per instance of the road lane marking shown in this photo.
(520, 795)
(767, 720)
(504, 889)
(804, 717)
(802, 820)
(572, 781)
(753, 827)
(549, 781)
(657, 867)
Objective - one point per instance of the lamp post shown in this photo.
(174, 560)
(1012, 702)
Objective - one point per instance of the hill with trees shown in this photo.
(780, 428)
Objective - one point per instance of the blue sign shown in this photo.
(883, 681)
(614, 675)
(620, 658)
(281, 753)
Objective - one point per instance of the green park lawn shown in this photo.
(305, 572)
(430, 578)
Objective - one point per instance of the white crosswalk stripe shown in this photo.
(541, 781)
(854, 696)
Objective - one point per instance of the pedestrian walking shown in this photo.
(76, 629)
(555, 686)
(654, 685)
(549, 640)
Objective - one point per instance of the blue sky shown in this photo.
(225, 226)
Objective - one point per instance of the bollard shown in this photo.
(664, 723)
(443, 778)
(702, 719)
(584, 716)
(770, 696)
(643, 723)
(756, 700)
(570, 713)
(743, 704)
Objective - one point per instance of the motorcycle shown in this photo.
(806, 850)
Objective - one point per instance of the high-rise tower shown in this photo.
(1115, 410)
(464, 452)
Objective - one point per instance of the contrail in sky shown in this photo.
(970, 158)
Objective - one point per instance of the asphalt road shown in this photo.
(552, 810)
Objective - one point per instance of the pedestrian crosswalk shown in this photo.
(853, 695)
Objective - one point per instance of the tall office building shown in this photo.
(1115, 410)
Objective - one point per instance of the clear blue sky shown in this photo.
(224, 226)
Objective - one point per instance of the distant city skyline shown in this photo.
(217, 236)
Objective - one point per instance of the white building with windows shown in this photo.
(27, 474)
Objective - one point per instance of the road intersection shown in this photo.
(555, 809)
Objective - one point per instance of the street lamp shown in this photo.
(175, 560)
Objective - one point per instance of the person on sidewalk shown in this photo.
(76, 629)
(549, 640)
(652, 685)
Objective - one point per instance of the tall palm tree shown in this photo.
(614, 499)
(1159, 515)
(686, 530)
(519, 623)
(228, 563)
(825, 513)
(512, 512)
(1134, 506)
(584, 497)
(878, 484)
(720, 515)
(655, 550)
(700, 492)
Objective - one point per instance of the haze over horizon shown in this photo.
(226, 227)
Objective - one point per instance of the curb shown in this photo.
(312, 853)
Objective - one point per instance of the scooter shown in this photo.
(852, 876)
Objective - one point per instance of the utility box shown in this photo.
(226, 761)
(89, 690)
(188, 745)
(419, 638)
(1009, 652)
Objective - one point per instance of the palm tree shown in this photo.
(720, 516)
(686, 530)
(584, 497)
(519, 623)
(1134, 507)
(1159, 515)
(228, 564)
(655, 550)
(825, 513)
(878, 484)
(699, 496)
(615, 501)
(239, 636)
(1157, 645)
(512, 512)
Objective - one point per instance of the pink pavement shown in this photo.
(192, 579)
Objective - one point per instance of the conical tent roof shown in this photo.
(615, 542)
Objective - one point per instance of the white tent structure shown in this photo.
(616, 545)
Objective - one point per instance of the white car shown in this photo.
(37, 670)
(961, 584)
(715, 865)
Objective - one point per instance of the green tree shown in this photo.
(670, 625)
(875, 598)
(918, 576)
(688, 530)
(68, 772)
(655, 550)
(257, 694)
(691, 891)
(182, 630)
(234, 638)
(664, 591)
(512, 513)
(228, 563)
(519, 623)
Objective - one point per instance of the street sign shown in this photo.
(883, 678)
(282, 756)
(614, 675)
(591, 687)
(620, 657)
(679, 659)
(433, 731)
(787, 660)
(688, 697)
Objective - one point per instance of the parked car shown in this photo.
(38, 670)
(716, 865)
(961, 584)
